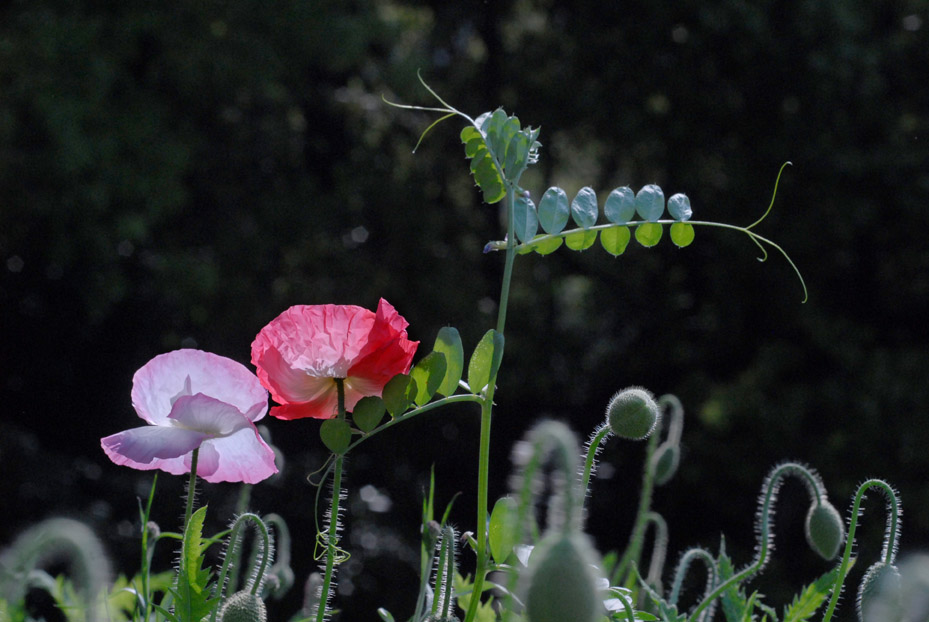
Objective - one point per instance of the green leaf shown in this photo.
(485, 361)
(648, 234)
(428, 374)
(493, 129)
(584, 207)
(398, 394)
(448, 342)
(580, 240)
(679, 207)
(385, 615)
(548, 246)
(808, 601)
(682, 234)
(517, 156)
(615, 240)
(526, 223)
(336, 435)
(649, 202)
(502, 528)
(554, 210)
(191, 595)
(620, 205)
(469, 133)
(368, 412)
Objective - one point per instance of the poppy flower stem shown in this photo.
(191, 486)
(333, 532)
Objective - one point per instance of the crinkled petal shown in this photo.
(166, 377)
(387, 353)
(321, 340)
(151, 447)
(240, 457)
(205, 414)
(288, 384)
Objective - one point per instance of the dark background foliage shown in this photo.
(176, 177)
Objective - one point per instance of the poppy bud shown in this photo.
(632, 413)
(825, 530)
(665, 461)
(563, 580)
(243, 607)
(879, 597)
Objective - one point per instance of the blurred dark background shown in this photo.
(176, 177)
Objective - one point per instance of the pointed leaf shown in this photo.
(620, 205)
(580, 240)
(584, 208)
(368, 412)
(191, 595)
(448, 342)
(398, 394)
(679, 207)
(526, 223)
(682, 234)
(554, 210)
(517, 156)
(494, 131)
(485, 360)
(428, 374)
(649, 202)
(502, 528)
(615, 239)
(648, 234)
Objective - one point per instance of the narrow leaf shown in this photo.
(584, 207)
(428, 375)
(554, 210)
(448, 342)
(615, 240)
(648, 234)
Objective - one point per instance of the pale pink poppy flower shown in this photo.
(302, 351)
(193, 399)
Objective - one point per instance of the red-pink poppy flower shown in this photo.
(302, 351)
(194, 399)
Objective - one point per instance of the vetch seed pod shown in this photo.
(825, 530)
(243, 607)
(563, 580)
(632, 413)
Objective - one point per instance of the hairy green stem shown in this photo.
(332, 537)
(486, 415)
(633, 552)
(191, 487)
(601, 433)
(890, 537)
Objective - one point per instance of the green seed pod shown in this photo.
(825, 529)
(632, 413)
(563, 580)
(665, 461)
(880, 595)
(243, 607)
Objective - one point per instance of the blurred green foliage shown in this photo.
(177, 175)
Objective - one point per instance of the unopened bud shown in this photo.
(632, 413)
(243, 607)
(665, 461)
(825, 530)
(879, 597)
(563, 582)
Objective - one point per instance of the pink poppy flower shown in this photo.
(302, 351)
(196, 399)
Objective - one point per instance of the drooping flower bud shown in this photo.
(243, 607)
(563, 581)
(632, 413)
(880, 597)
(825, 530)
(665, 461)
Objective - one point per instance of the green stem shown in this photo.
(890, 538)
(601, 433)
(487, 405)
(332, 538)
(633, 552)
(191, 487)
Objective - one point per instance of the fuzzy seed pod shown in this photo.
(879, 597)
(825, 530)
(243, 607)
(563, 580)
(632, 413)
